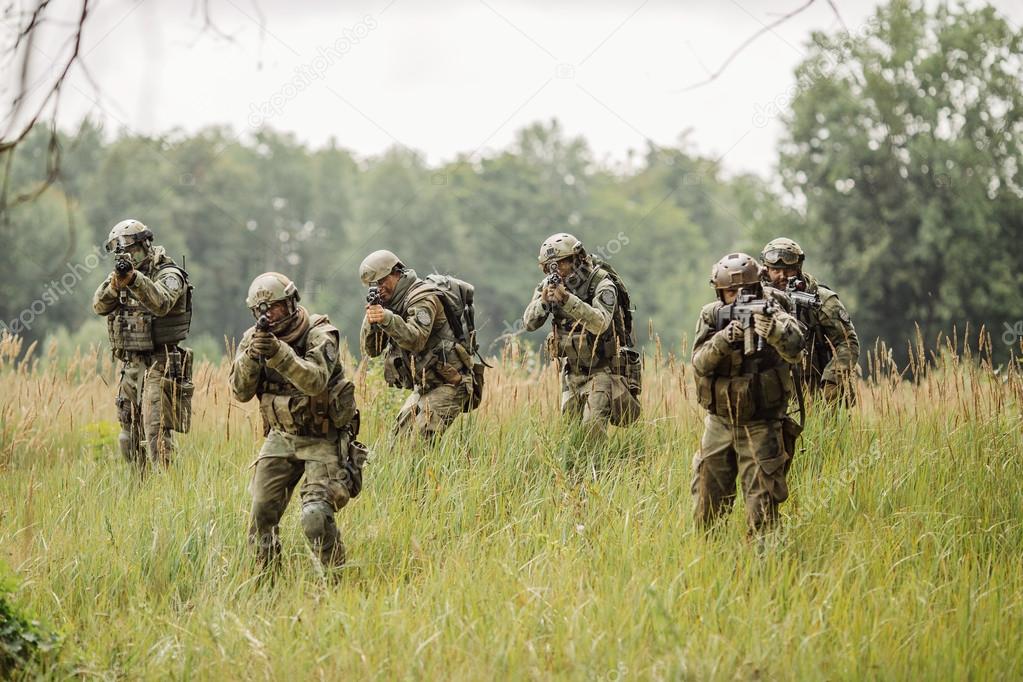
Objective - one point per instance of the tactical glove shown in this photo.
(265, 344)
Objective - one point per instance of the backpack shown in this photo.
(456, 297)
(458, 308)
(628, 361)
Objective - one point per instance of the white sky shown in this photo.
(453, 76)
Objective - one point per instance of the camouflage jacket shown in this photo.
(832, 346)
(156, 309)
(726, 377)
(582, 324)
(300, 386)
(415, 331)
(301, 368)
(158, 295)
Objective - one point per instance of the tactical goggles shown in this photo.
(119, 244)
(782, 256)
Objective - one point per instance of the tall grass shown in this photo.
(899, 556)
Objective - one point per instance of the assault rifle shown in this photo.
(801, 298)
(553, 279)
(373, 297)
(263, 322)
(122, 263)
(743, 309)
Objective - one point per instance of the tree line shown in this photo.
(898, 173)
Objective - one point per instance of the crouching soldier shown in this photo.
(424, 328)
(745, 344)
(289, 361)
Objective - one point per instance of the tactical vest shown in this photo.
(405, 369)
(581, 349)
(285, 407)
(132, 328)
(744, 388)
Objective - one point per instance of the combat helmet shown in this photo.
(558, 246)
(125, 233)
(734, 271)
(782, 253)
(378, 265)
(269, 288)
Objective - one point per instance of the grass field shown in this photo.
(900, 556)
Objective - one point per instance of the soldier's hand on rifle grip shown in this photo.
(733, 332)
(765, 326)
(265, 344)
(375, 314)
(556, 294)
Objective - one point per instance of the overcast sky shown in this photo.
(453, 76)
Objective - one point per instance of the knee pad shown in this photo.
(318, 521)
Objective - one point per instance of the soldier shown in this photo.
(746, 430)
(407, 320)
(289, 361)
(832, 347)
(591, 334)
(147, 301)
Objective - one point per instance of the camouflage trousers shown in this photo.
(430, 413)
(145, 437)
(757, 453)
(283, 460)
(598, 398)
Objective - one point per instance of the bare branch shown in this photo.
(834, 8)
(746, 43)
(52, 95)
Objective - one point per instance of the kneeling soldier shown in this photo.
(745, 344)
(289, 360)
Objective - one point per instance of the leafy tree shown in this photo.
(902, 154)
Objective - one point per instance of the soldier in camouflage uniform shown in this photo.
(590, 335)
(147, 301)
(746, 430)
(832, 347)
(289, 361)
(410, 328)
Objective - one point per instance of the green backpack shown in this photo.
(457, 299)
(627, 362)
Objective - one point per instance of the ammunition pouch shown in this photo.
(581, 350)
(177, 390)
(476, 394)
(287, 413)
(285, 409)
(746, 397)
(130, 328)
(352, 457)
(340, 403)
(397, 372)
(628, 364)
